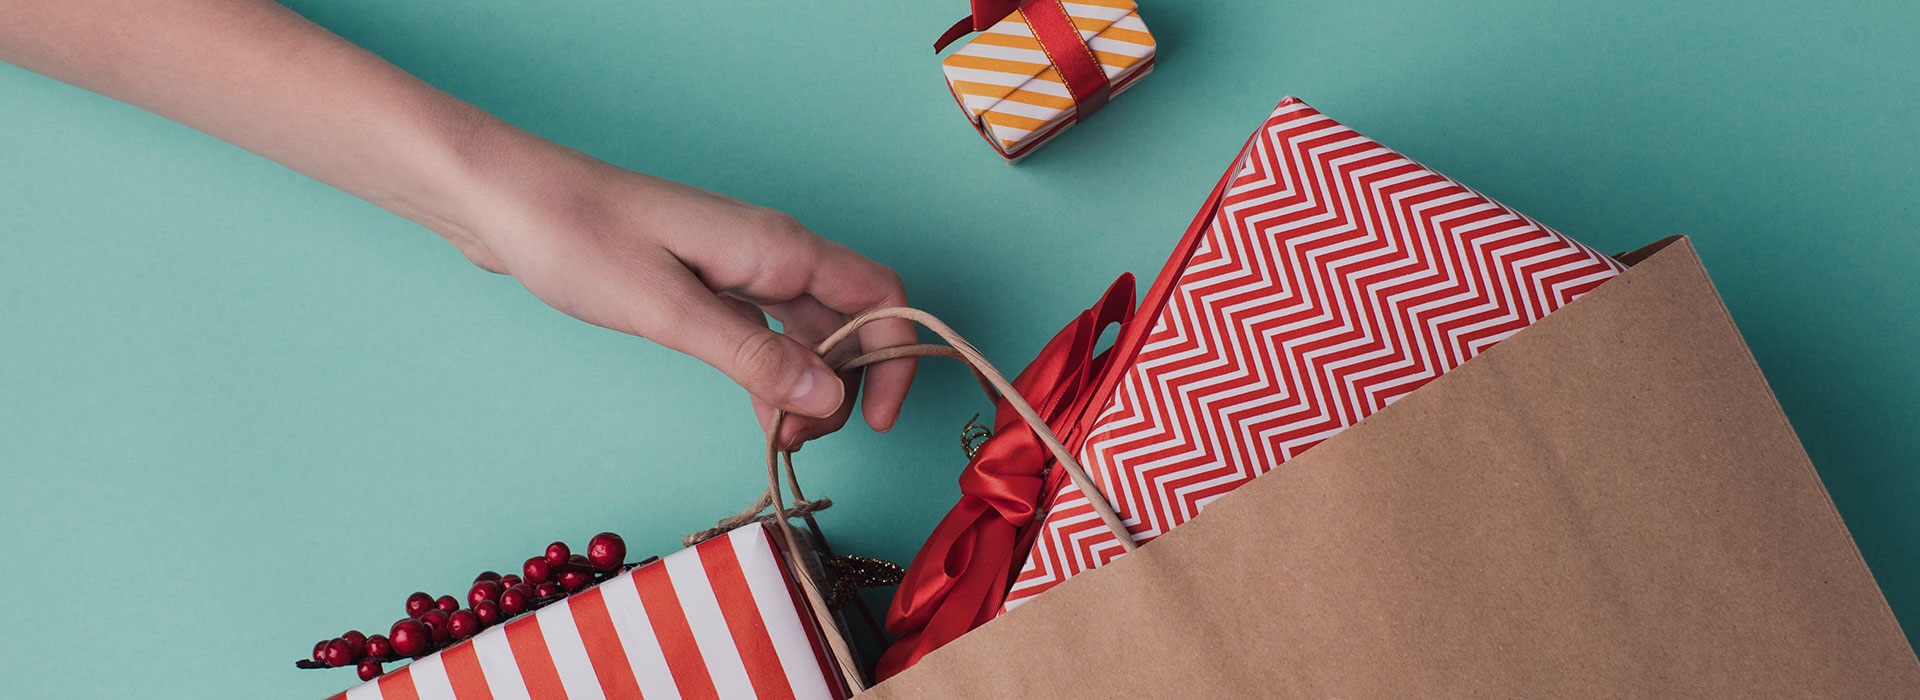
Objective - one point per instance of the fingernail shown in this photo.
(818, 394)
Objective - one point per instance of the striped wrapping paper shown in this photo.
(719, 620)
(1334, 277)
(1011, 91)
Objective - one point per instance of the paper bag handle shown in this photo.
(992, 381)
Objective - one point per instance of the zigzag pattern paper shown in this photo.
(1336, 277)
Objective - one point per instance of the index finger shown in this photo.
(851, 284)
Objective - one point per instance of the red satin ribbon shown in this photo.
(1059, 39)
(961, 575)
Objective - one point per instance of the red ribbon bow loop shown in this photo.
(1085, 79)
(961, 575)
(985, 14)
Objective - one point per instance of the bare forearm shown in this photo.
(690, 269)
(257, 75)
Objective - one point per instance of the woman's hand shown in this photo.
(689, 269)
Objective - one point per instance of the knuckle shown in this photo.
(786, 252)
(778, 222)
(896, 288)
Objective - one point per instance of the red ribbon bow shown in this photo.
(1059, 39)
(961, 576)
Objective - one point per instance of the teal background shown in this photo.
(240, 411)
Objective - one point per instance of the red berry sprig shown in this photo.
(433, 623)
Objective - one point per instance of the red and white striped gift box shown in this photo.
(721, 619)
(1334, 277)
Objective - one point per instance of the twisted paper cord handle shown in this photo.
(991, 380)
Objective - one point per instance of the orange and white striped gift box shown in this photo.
(1010, 89)
(721, 619)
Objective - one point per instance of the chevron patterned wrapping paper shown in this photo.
(719, 619)
(1009, 88)
(1335, 277)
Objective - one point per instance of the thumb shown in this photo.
(771, 366)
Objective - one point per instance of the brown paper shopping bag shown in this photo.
(1610, 502)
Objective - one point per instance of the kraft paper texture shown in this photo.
(1609, 503)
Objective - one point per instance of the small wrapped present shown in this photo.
(720, 619)
(1040, 66)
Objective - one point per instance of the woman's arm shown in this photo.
(689, 269)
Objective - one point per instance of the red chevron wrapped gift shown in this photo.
(1328, 277)
(719, 619)
(1325, 277)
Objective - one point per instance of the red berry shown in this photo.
(557, 553)
(546, 590)
(537, 570)
(488, 612)
(510, 580)
(579, 561)
(514, 600)
(369, 669)
(486, 576)
(320, 651)
(447, 604)
(418, 603)
(482, 592)
(606, 551)
(356, 641)
(379, 648)
(575, 579)
(409, 637)
(339, 653)
(463, 624)
(436, 623)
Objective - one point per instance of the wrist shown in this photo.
(476, 176)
